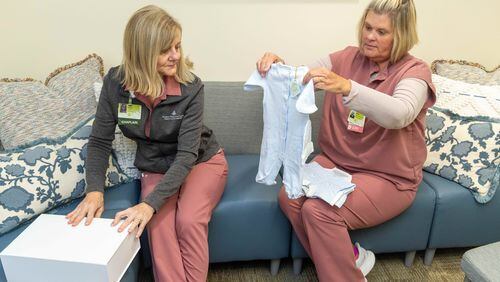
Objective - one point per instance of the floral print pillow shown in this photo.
(465, 150)
(43, 176)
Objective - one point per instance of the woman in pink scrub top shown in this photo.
(389, 91)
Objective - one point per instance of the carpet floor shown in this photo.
(388, 267)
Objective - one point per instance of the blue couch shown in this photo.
(460, 221)
(248, 224)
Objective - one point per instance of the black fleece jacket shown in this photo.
(177, 141)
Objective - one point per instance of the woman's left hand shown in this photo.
(137, 217)
(325, 79)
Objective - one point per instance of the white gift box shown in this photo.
(52, 250)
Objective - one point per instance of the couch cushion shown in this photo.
(459, 221)
(115, 199)
(248, 224)
(237, 127)
(406, 232)
(41, 177)
(464, 150)
(32, 110)
(466, 71)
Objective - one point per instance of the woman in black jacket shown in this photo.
(158, 102)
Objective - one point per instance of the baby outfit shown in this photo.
(331, 185)
(286, 138)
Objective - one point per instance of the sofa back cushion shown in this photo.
(236, 116)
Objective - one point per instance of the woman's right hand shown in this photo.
(91, 206)
(264, 63)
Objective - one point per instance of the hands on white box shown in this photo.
(92, 206)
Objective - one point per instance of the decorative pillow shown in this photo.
(466, 71)
(467, 99)
(45, 175)
(123, 147)
(32, 110)
(465, 150)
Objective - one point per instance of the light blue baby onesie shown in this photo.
(286, 138)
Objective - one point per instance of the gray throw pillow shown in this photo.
(466, 71)
(32, 110)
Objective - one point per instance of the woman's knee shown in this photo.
(283, 200)
(186, 223)
(314, 210)
(288, 205)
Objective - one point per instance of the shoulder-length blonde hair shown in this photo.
(149, 31)
(404, 24)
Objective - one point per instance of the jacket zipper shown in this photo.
(148, 123)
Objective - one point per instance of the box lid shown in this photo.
(51, 237)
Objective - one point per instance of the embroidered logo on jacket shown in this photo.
(172, 116)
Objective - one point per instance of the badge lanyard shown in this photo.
(130, 97)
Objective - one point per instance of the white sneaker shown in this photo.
(366, 260)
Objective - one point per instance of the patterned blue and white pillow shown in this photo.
(43, 176)
(465, 150)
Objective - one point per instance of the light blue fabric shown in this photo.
(331, 185)
(287, 129)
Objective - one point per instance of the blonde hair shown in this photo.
(403, 17)
(149, 31)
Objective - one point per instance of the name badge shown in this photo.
(129, 114)
(356, 122)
